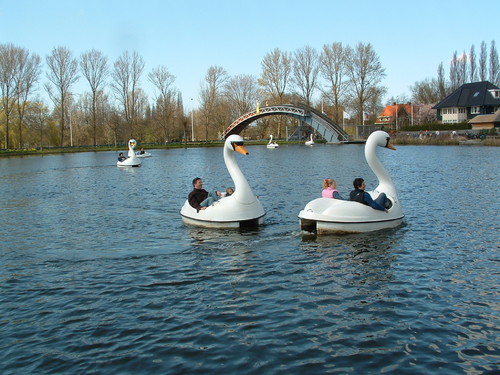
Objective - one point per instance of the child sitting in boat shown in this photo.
(329, 189)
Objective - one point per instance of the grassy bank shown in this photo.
(398, 140)
(444, 141)
(118, 148)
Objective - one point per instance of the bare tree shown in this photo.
(454, 72)
(104, 110)
(373, 104)
(333, 69)
(211, 95)
(441, 82)
(241, 92)
(494, 65)
(163, 80)
(462, 68)
(426, 92)
(472, 65)
(63, 69)
(305, 72)
(275, 77)
(365, 72)
(180, 120)
(483, 63)
(37, 116)
(8, 68)
(94, 67)
(27, 76)
(125, 83)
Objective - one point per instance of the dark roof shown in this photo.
(470, 95)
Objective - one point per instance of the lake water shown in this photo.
(99, 274)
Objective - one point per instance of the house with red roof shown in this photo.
(395, 115)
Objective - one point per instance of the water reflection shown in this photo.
(206, 236)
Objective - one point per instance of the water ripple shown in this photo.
(95, 283)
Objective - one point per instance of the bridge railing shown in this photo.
(302, 111)
(263, 111)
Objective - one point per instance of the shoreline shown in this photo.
(397, 140)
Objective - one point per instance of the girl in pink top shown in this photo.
(329, 189)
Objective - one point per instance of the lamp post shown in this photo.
(192, 121)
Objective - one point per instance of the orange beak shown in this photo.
(240, 149)
(390, 146)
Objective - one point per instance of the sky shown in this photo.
(189, 36)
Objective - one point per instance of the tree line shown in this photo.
(115, 107)
(464, 68)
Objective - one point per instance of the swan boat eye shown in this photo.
(387, 143)
(236, 143)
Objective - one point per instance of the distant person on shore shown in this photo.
(330, 189)
(359, 195)
(199, 198)
(121, 157)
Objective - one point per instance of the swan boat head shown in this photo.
(272, 144)
(131, 160)
(239, 209)
(131, 145)
(327, 215)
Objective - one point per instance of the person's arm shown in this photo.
(372, 203)
(336, 195)
(194, 202)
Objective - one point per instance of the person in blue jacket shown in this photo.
(359, 195)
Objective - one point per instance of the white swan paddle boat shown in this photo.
(310, 142)
(143, 154)
(242, 208)
(272, 144)
(327, 215)
(131, 160)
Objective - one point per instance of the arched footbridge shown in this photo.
(323, 125)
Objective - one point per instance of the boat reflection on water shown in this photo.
(220, 237)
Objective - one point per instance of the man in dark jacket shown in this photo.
(199, 198)
(359, 195)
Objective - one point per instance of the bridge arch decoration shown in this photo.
(321, 123)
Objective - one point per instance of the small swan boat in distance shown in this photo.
(240, 209)
(272, 144)
(143, 154)
(310, 142)
(335, 216)
(131, 160)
